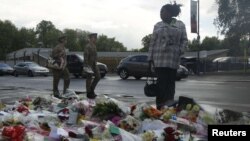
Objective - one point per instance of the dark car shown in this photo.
(30, 68)
(137, 66)
(5, 69)
(75, 65)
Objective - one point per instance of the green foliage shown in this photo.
(210, 43)
(47, 33)
(82, 39)
(72, 40)
(234, 21)
(193, 45)
(233, 17)
(145, 43)
(106, 109)
(109, 44)
(8, 33)
(24, 38)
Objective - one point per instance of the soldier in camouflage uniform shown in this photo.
(90, 60)
(59, 54)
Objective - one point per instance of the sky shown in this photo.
(128, 21)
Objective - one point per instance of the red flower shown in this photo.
(169, 130)
(89, 131)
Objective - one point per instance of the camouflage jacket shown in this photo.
(59, 52)
(90, 55)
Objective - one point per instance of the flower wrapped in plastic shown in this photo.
(129, 124)
(170, 134)
(14, 133)
(63, 114)
(107, 110)
(27, 101)
(149, 136)
(152, 112)
(41, 103)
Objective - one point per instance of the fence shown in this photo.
(216, 66)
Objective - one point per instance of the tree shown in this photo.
(232, 43)
(72, 40)
(24, 38)
(82, 39)
(47, 33)
(8, 32)
(234, 19)
(109, 44)
(193, 45)
(210, 43)
(145, 42)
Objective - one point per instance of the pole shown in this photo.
(198, 37)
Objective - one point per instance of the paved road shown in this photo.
(224, 91)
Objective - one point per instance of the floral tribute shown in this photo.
(49, 119)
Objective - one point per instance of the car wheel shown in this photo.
(178, 78)
(137, 77)
(30, 74)
(15, 74)
(123, 74)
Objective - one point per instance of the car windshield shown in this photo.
(80, 56)
(33, 65)
(3, 65)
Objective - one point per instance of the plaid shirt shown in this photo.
(168, 43)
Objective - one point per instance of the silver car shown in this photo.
(5, 69)
(30, 68)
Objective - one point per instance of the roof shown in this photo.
(204, 53)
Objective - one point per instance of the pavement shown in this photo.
(222, 77)
(11, 94)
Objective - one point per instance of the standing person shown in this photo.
(90, 60)
(168, 43)
(59, 55)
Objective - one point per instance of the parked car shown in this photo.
(137, 66)
(5, 69)
(228, 63)
(75, 65)
(30, 68)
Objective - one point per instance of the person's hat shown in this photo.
(92, 35)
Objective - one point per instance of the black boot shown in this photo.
(92, 91)
(57, 94)
(91, 95)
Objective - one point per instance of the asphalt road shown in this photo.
(231, 92)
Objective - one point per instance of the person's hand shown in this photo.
(150, 65)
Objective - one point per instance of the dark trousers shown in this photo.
(166, 83)
(57, 74)
(92, 82)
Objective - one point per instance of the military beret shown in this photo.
(92, 35)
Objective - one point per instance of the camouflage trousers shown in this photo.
(57, 75)
(92, 82)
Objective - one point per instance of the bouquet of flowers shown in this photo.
(152, 112)
(106, 110)
(148, 136)
(129, 124)
(170, 134)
